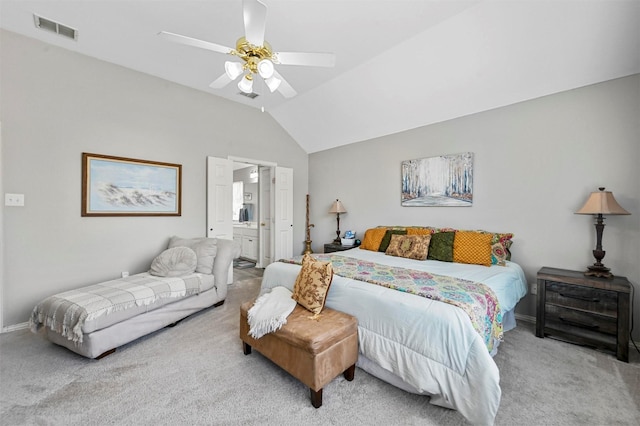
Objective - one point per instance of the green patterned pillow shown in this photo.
(409, 246)
(441, 246)
(384, 244)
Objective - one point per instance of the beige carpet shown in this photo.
(196, 374)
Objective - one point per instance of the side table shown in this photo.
(333, 247)
(585, 310)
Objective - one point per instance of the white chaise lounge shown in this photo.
(93, 321)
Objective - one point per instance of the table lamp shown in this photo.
(600, 203)
(337, 208)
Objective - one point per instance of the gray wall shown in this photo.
(535, 163)
(57, 104)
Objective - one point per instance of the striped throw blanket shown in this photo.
(477, 300)
(67, 312)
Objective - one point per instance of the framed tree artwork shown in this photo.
(446, 180)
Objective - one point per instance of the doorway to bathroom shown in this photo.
(265, 232)
(246, 203)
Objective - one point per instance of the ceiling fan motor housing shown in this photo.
(251, 54)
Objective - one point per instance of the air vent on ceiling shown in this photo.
(55, 27)
(251, 95)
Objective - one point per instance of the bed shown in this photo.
(93, 321)
(419, 344)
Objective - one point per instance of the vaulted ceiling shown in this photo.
(400, 64)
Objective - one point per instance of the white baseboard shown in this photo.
(15, 327)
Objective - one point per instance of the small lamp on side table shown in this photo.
(600, 203)
(337, 208)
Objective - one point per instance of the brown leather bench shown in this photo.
(314, 351)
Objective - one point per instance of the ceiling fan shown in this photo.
(258, 58)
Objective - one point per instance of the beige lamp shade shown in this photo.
(337, 207)
(602, 202)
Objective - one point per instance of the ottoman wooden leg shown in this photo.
(246, 348)
(316, 398)
(350, 372)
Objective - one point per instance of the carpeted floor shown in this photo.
(196, 374)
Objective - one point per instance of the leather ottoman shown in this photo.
(314, 351)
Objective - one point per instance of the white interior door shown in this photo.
(220, 201)
(283, 212)
(219, 198)
(265, 216)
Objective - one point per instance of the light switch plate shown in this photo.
(14, 200)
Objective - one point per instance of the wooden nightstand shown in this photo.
(585, 310)
(332, 247)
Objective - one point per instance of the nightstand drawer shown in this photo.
(567, 319)
(587, 299)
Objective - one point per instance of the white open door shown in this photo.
(220, 201)
(283, 213)
(265, 216)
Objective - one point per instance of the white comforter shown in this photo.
(430, 346)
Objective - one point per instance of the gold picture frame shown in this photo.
(119, 186)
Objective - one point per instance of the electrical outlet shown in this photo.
(534, 288)
(14, 200)
(125, 274)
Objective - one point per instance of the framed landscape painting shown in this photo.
(446, 180)
(117, 186)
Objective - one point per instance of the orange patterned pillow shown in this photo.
(312, 284)
(472, 247)
(419, 231)
(372, 238)
(409, 246)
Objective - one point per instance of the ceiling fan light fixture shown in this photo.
(233, 69)
(265, 68)
(246, 84)
(273, 83)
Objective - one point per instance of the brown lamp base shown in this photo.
(598, 271)
(307, 247)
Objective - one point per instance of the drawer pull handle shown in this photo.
(580, 297)
(592, 326)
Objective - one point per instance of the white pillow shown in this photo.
(174, 262)
(205, 248)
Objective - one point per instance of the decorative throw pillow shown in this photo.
(409, 246)
(419, 231)
(500, 244)
(500, 248)
(312, 284)
(372, 238)
(174, 262)
(441, 246)
(500, 253)
(205, 248)
(472, 247)
(384, 244)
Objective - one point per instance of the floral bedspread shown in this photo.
(477, 300)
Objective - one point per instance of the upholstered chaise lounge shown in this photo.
(93, 321)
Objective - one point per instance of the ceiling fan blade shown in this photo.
(285, 88)
(220, 82)
(255, 21)
(308, 59)
(194, 42)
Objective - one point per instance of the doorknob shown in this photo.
(263, 224)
